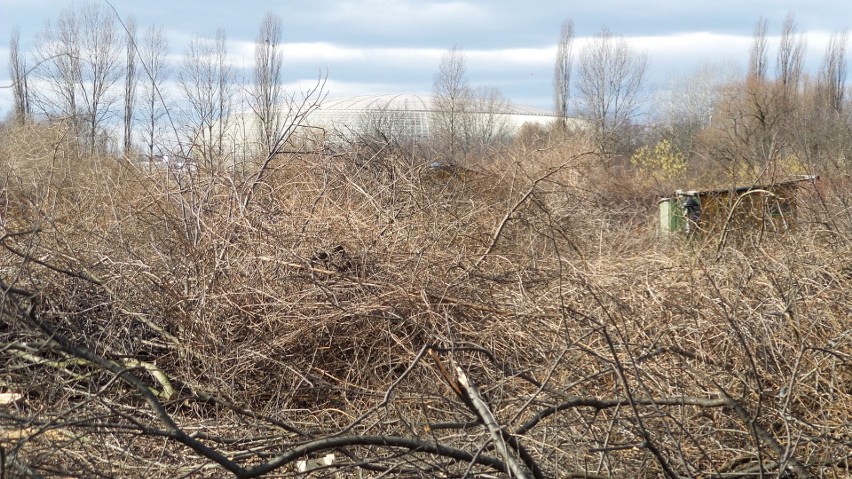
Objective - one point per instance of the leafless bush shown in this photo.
(508, 320)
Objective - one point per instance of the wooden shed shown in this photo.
(757, 208)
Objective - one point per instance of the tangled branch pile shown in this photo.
(412, 321)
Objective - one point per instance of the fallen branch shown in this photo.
(599, 404)
(490, 422)
(414, 445)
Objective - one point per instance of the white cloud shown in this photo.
(685, 52)
(513, 56)
(698, 44)
(322, 52)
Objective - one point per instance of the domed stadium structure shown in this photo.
(415, 116)
(398, 116)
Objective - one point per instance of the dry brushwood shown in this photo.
(504, 324)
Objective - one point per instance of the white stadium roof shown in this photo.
(415, 102)
(410, 114)
(400, 116)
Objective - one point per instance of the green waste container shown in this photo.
(671, 215)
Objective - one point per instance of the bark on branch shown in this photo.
(490, 422)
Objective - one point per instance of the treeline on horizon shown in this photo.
(107, 80)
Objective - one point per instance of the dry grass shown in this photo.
(607, 350)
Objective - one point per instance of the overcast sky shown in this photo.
(394, 46)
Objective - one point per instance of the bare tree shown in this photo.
(685, 107)
(562, 71)
(18, 72)
(101, 70)
(57, 54)
(610, 76)
(832, 75)
(791, 55)
(267, 89)
(486, 125)
(453, 96)
(465, 120)
(225, 86)
(129, 82)
(152, 55)
(206, 81)
(758, 57)
(79, 64)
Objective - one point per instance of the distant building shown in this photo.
(164, 162)
(413, 116)
(772, 207)
(399, 117)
